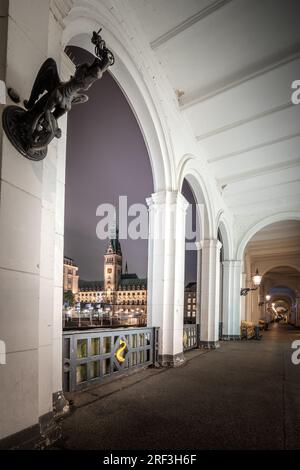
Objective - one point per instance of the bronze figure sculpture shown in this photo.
(30, 130)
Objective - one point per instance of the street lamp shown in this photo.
(268, 297)
(256, 280)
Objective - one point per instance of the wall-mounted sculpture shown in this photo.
(30, 130)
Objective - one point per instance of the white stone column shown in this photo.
(210, 293)
(166, 253)
(232, 300)
(31, 250)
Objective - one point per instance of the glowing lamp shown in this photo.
(256, 278)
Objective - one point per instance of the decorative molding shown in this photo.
(258, 172)
(241, 77)
(253, 191)
(254, 147)
(60, 9)
(241, 122)
(271, 247)
(251, 207)
(188, 23)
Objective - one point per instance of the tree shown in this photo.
(69, 298)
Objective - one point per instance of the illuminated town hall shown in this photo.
(122, 295)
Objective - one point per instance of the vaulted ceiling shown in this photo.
(280, 238)
(232, 63)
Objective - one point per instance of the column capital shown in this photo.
(232, 263)
(167, 198)
(198, 246)
(210, 243)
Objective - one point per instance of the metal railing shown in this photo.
(191, 335)
(94, 356)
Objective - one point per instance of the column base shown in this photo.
(168, 360)
(208, 344)
(60, 404)
(43, 434)
(39, 436)
(231, 338)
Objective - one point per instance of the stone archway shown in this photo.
(250, 232)
(208, 278)
(273, 242)
(32, 212)
(282, 283)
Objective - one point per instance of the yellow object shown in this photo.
(247, 329)
(120, 350)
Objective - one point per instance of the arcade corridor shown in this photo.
(244, 395)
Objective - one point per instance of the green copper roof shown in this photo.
(91, 285)
(130, 280)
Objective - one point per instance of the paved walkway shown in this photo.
(245, 395)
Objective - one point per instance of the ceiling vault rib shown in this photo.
(251, 203)
(275, 185)
(254, 147)
(240, 78)
(259, 172)
(241, 122)
(188, 23)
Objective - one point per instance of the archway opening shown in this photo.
(108, 178)
(221, 260)
(274, 251)
(279, 288)
(192, 276)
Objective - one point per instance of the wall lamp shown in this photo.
(256, 279)
(268, 298)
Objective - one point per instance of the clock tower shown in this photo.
(113, 262)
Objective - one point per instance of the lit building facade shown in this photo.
(120, 293)
(70, 276)
(190, 304)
